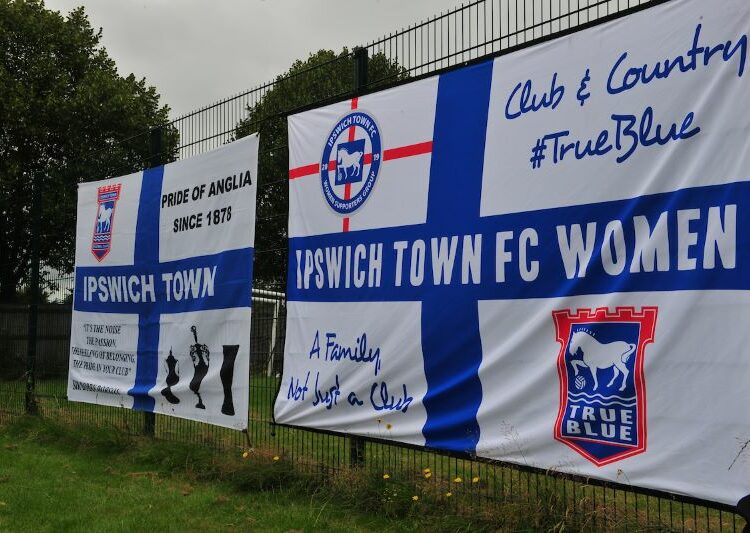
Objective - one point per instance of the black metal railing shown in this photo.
(468, 33)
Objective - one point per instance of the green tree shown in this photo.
(66, 116)
(325, 77)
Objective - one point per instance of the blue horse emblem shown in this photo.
(101, 241)
(602, 413)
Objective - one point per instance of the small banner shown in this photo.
(163, 285)
(542, 259)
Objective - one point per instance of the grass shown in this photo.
(57, 478)
(313, 468)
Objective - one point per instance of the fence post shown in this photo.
(36, 215)
(357, 444)
(154, 159)
(743, 508)
(360, 70)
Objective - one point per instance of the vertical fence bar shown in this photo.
(36, 215)
(461, 34)
(743, 508)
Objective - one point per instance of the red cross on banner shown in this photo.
(390, 154)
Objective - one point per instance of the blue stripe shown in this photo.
(552, 281)
(451, 360)
(147, 255)
(231, 286)
(147, 226)
(147, 362)
(451, 338)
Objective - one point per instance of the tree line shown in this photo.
(69, 117)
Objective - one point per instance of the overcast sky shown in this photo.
(198, 51)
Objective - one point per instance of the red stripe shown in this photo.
(348, 186)
(388, 155)
(353, 129)
(307, 170)
(407, 151)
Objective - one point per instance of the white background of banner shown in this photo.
(405, 201)
(215, 327)
(697, 371)
(715, 94)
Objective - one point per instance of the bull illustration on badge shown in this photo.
(350, 162)
(602, 413)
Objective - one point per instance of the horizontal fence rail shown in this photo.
(471, 32)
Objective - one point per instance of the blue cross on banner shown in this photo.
(454, 194)
(542, 259)
(443, 268)
(455, 178)
(163, 331)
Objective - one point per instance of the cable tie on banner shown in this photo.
(247, 438)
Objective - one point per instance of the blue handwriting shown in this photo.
(353, 400)
(629, 133)
(384, 402)
(297, 392)
(335, 352)
(619, 81)
(328, 397)
(529, 102)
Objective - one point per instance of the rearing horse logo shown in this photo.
(598, 356)
(106, 199)
(104, 220)
(602, 413)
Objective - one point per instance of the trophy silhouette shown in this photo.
(227, 376)
(200, 356)
(173, 378)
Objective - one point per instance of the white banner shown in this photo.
(163, 284)
(542, 259)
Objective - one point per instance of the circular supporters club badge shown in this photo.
(351, 162)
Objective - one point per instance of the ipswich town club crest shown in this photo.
(351, 162)
(602, 412)
(101, 242)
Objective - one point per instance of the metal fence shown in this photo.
(471, 32)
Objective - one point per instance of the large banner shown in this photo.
(543, 259)
(161, 308)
